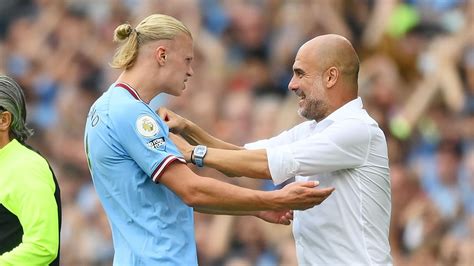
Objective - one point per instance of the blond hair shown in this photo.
(152, 28)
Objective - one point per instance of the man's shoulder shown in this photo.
(358, 119)
(25, 163)
(120, 108)
(358, 124)
(364, 116)
(304, 126)
(25, 152)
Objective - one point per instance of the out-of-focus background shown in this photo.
(416, 80)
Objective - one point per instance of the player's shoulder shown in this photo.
(122, 106)
(21, 153)
(306, 124)
(26, 162)
(303, 127)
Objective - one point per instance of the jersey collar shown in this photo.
(129, 88)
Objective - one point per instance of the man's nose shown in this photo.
(190, 72)
(292, 85)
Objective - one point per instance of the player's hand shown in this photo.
(276, 217)
(183, 146)
(302, 195)
(176, 123)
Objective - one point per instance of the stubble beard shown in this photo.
(313, 110)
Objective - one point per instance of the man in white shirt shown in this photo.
(340, 145)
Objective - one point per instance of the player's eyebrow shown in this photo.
(298, 70)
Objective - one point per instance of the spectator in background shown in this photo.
(442, 183)
(30, 202)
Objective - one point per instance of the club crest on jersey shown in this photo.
(158, 143)
(147, 126)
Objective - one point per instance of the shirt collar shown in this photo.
(129, 88)
(347, 110)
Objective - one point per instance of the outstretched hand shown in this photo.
(276, 217)
(176, 123)
(302, 195)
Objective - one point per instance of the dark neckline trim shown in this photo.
(127, 87)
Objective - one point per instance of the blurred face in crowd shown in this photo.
(307, 84)
(448, 165)
(177, 64)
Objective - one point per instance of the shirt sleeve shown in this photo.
(342, 145)
(285, 137)
(34, 204)
(144, 137)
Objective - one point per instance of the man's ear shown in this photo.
(5, 121)
(160, 55)
(331, 76)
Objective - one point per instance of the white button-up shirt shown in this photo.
(347, 150)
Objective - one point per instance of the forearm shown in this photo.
(209, 194)
(226, 212)
(196, 135)
(249, 163)
(222, 198)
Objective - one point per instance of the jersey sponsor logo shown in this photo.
(147, 126)
(158, 143)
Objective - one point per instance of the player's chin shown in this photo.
(178, 92)
(182, 89)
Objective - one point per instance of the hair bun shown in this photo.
(122, 32)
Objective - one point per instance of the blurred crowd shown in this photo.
(416, 80)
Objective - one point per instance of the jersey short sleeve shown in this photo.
(144, 137)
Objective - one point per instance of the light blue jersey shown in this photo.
(128, 149)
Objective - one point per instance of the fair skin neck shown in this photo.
(339, 96)
(5, 121)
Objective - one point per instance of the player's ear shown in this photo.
(5, 121)
(331, 76)
(160, 55)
